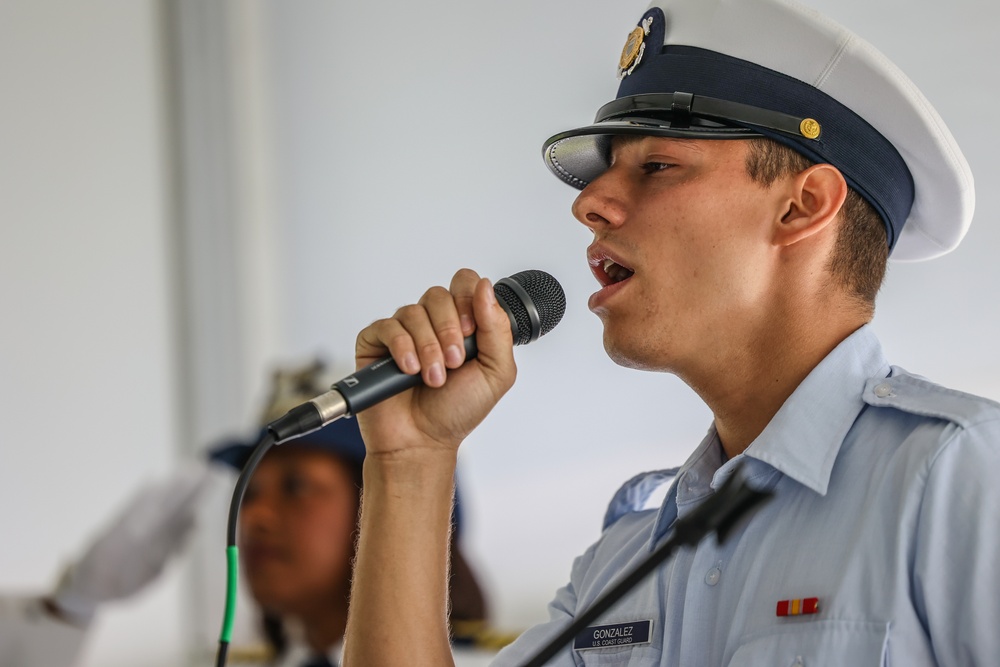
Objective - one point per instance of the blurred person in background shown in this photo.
(296, 532)
(297, 529)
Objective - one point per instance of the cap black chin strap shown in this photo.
(681, 109)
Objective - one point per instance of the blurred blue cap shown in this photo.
(292, 386)
(341, 438)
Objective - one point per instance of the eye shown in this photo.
(653, 167)
(294, 484)
(250, 493)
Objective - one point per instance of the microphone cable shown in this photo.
(232, 550)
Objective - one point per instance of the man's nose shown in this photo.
(602, 204)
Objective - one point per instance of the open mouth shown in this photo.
(614, 272)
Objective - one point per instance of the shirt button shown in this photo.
(883, 390)
(713, 576)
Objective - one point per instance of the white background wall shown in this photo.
(350, 157)
(87, 361)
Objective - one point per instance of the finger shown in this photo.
(436, 310)
(463, 286)
(442, 309)
(386, 336)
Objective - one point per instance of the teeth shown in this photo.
(616, 272)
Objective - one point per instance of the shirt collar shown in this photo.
(801, 441)
(690, 485)
(803, 438)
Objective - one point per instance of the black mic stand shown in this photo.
(719, 513)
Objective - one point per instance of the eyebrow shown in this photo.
(623, 140)
(619, 142)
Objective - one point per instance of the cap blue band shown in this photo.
(870, 164)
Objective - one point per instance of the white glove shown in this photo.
(136, 546)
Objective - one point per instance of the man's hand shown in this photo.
(427, 338)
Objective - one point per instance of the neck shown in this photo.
(751, 379)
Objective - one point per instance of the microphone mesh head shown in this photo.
(545, 298)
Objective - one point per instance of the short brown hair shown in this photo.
(862, 251)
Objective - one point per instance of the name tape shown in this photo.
(610, 636)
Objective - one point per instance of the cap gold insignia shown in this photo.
(635, 46)
(809, 128)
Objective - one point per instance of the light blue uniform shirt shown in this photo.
(886, 508)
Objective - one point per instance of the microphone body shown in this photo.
(534, 302)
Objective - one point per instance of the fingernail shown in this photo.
(453, 355)
(435, 375)
(467, 324)
(491, 296)
(410, 363)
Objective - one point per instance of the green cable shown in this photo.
(232, 553)
(232, 570)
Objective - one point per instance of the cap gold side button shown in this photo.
(809, 128)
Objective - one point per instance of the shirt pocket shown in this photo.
(827, 643)
(635, 656)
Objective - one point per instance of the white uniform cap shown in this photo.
(742, 68)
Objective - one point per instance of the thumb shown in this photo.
(494, 340)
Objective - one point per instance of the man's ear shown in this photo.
(813, 199)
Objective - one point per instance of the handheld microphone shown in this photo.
(534, 302)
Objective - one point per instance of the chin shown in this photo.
(642, 345)
(630, 358)
(274, 598)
